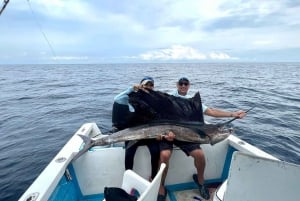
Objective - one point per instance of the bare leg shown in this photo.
(165, 156)
(199, 161)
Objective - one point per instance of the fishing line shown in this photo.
(5, 2)
(41, 29)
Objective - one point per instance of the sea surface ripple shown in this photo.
(42, 106)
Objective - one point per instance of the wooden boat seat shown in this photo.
(148, 190)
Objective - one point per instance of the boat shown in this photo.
(235, 171)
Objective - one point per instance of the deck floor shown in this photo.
(192, 195)
(181, 195)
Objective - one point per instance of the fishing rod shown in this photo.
(238, 117)
(5, 2)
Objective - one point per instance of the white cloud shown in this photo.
(219, 30)
(220, 56)
(64, 10)
(262, 42)
(180, 52)
(176, 52)
(195, 9)
(63, 58)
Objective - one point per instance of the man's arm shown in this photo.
(122, 98)
(220, 113)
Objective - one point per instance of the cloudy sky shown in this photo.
(107, 31)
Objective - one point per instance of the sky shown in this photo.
(135, 31)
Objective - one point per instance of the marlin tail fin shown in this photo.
(87, 145)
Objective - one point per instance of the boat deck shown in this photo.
(190, 194)
(174, 195)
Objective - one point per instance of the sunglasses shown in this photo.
(149, 84)
(183, 83)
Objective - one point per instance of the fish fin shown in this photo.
(87, 145)
(131, 143)
(218, 138)
(85, 139)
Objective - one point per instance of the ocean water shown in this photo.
(41, 107)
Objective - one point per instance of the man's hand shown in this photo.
(239, 114)
(170, 136)
(137, 87)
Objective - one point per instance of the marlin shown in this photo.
(184, 131)
(163, 113)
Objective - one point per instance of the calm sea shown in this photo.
(41, 106)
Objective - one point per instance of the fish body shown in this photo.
(182, 133)
(151, 132)
(212, 134)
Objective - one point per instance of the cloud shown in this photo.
(221, 56)
(134, 30)
(254, 14)
(180, 52)
(62, 58)
(176, 52)
(65, 10)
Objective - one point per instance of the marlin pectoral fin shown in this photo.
(131, 143)
(218, 138)
(201, 133)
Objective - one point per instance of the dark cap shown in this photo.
(147, 79)
(183, 79)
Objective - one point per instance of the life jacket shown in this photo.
(121, 116)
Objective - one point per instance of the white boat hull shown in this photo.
(85, 178)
